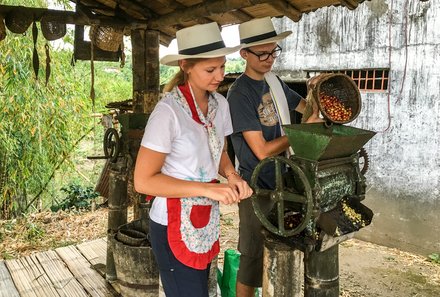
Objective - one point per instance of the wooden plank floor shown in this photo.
(71, 271)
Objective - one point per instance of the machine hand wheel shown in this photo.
(111, 144)
(281, 194)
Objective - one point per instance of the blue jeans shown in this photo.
(178, 280)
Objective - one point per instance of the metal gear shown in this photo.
(363, 154)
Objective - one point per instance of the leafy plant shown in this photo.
(434, 257)
(34, 232)
(40, 125)
(77, 198)
(6, 256)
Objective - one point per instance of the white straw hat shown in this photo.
(199, 41)
(259, 31)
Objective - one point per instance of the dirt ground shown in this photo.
(365, 269)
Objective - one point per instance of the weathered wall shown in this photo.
(404, 174)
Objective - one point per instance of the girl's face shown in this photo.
(206, 74)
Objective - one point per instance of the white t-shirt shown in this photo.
(172, 131)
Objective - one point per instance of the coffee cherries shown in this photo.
(334, 108)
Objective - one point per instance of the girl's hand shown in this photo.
(222, 192)
(236, 182)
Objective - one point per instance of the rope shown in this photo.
(46, 46)
(92, 70)
(35, 59)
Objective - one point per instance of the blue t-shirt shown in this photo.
(252, 109)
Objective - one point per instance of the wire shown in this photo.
(389, 67)
(405, 13)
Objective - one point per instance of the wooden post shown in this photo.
(321, 273)
(282, 269)
(145, 47)
(146, 72)
(117, 211)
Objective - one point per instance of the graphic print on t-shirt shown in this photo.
(267, 112)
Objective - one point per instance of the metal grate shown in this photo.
(367, 80)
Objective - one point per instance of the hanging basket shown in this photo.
(106, 38)
(18, 21)
(52, 30)
(2, 29)
(337, 96)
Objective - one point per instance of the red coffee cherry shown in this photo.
(334, 108)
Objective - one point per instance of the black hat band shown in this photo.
(202, 48)
(259, 37)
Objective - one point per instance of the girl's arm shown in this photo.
(227, 170)
(148, 179)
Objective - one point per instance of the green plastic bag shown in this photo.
(228, 279)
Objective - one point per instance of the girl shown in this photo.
(182, 152)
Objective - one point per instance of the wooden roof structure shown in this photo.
(168, 16)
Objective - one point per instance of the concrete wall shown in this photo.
(404, 174)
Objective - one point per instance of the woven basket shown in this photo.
(18, 21)
(52, 30)
(2, 30)
(343, 88)
(106, 38)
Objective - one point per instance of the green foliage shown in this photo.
(39, 125)
(435, 258)
(6, 256)
(166, 73)
(112, 82)
(236, 65)
(77, 198)
(34, 232)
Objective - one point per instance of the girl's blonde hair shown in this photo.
(181, 76)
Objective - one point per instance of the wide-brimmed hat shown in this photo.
(199, 41)
(259, 31)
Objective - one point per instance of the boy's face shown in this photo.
(251, 55)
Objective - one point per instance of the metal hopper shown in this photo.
(319, 142)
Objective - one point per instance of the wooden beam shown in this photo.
(165, 39)
(135, 10)
(350, 4)
(287, 9)
(203, 9)
(72, 17)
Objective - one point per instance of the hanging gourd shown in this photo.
(18, 21)
(2, 29)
